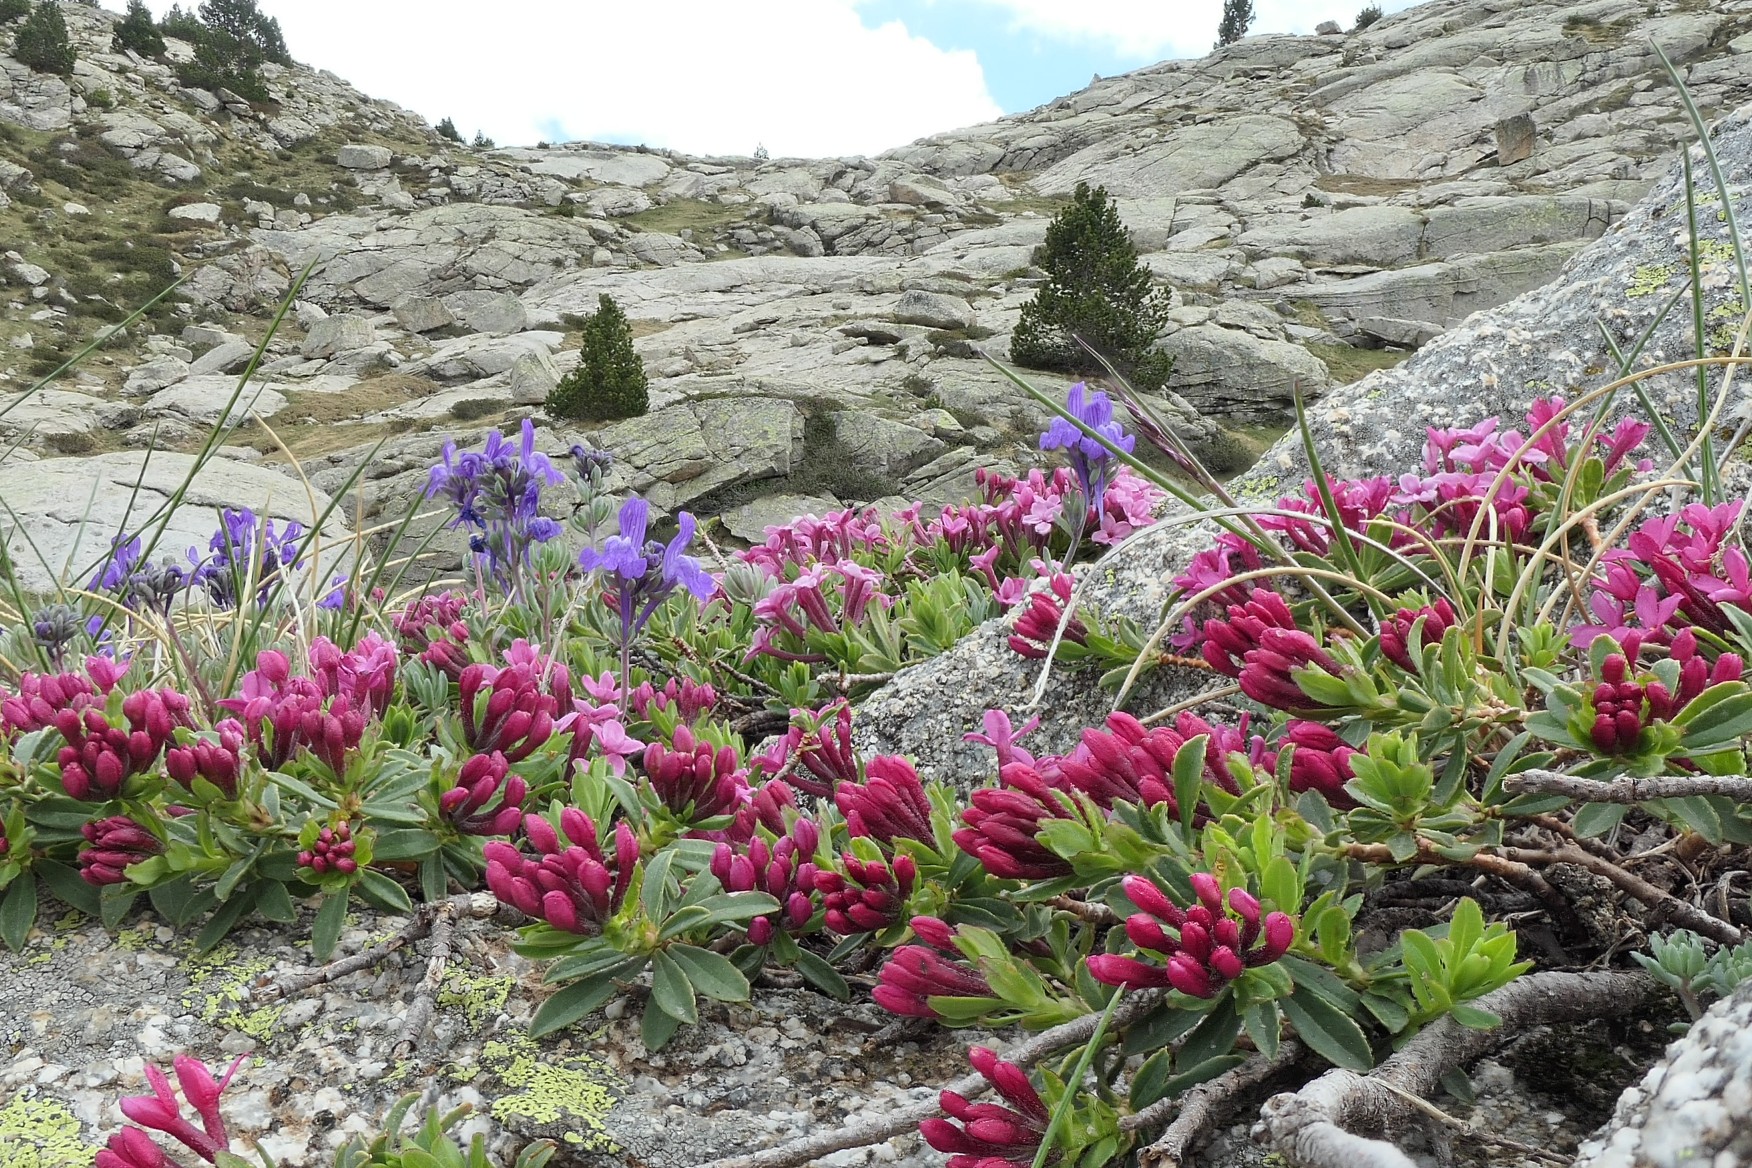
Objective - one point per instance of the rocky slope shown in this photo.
(1320, 206)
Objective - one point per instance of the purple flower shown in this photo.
(497, 494)
(244, 546)
(643, 573)
(1090, 460)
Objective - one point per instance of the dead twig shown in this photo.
(1507, 870)
(1681, 911)
(1199, 1108)
(1088, 911)
(1313, 1127)
(468, 906)
(1627, 790)
(897, 1121)
(426, 994)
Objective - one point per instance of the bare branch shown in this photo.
(1627, 790)
(1682, 912)
(1310, 1126)
(1198, 1108)
(898, 1121)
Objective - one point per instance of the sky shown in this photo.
(808, 78)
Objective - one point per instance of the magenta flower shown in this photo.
(1038, 621)
(487, 798)
(112, 845)
(332, 851)
(914, 974)
(991, 1135)
(98, 757)
(1126, 761)
(868, 896)
(1269, 674)
(785, 871)
(364, 674)
(1003, 821)
(889, 805)
(1204, 947)
(1228, 641)
(1321, 762)
(693, 779)
(218, 762)
(161, 1111)
(1001, 736)
(571, 885)
(506, 710)
(1396, 631)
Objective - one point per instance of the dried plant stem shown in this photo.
(1627, 790)
(1195, 1111)
(1310, 1127)
(1682, 912)
(425, 1001)
(1513, 872)
(468, 906)
(898, 1121)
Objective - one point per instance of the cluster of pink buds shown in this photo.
(1003, 821)
(1260, 646)
(1126, 761)
(487, 798)
(991, 1135)
(785, 871)
(1038, 621)
(770, 805)
(571, 886)
(1209, 948)
(219, 763)
(819, 743)
(113, 844)
(364, 674)
(133, 1148)
(432, 629)
(332, 851)
(41, 697)
(1396, 631)
(695, 780)
(801, 605)
(506, 709)
(870, 895)
(1625, 705)
(689, 699)
(914, 974)
(98, 757)
(281, 713)
(889, 804)
(1322, 762)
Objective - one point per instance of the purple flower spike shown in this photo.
(1090, 460)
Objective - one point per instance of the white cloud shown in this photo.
(1151, 30)
(802, 77)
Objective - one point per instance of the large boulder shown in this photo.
(335, 335)
(1236, 373)
(1694, 1106)
(70, 508)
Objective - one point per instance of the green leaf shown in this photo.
(571, 1004)
(1263, 1026)
(434, 884)
(274, 903)
(1214, 1036)
(671, 991)
(325, 931)
(1151, 1081)
(657, 1027)
(221, 922)
(18, 910)
(1596, 819)
(822, 976)
(1189, 763)
(1328, 1032)
(713, 975)
(384, 892)
(1474, 1017)
(404, 844)
(115, 900)
(68, 887)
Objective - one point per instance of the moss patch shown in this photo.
(1347, 364)
(1649, 279)
(696, 215)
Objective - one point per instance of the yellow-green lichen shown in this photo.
(544, 1088)
(40, 1133)
(1724, 325)
(218, 986)
(1648, 280)
(481, 999)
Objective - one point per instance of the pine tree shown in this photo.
(42, 40)
(1096, 290)
(234, 39)
(1237, 16)
(1367, 16)
(137, 32)
(482, 142)
(184, 26)
(609, 381)
(447, 130)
